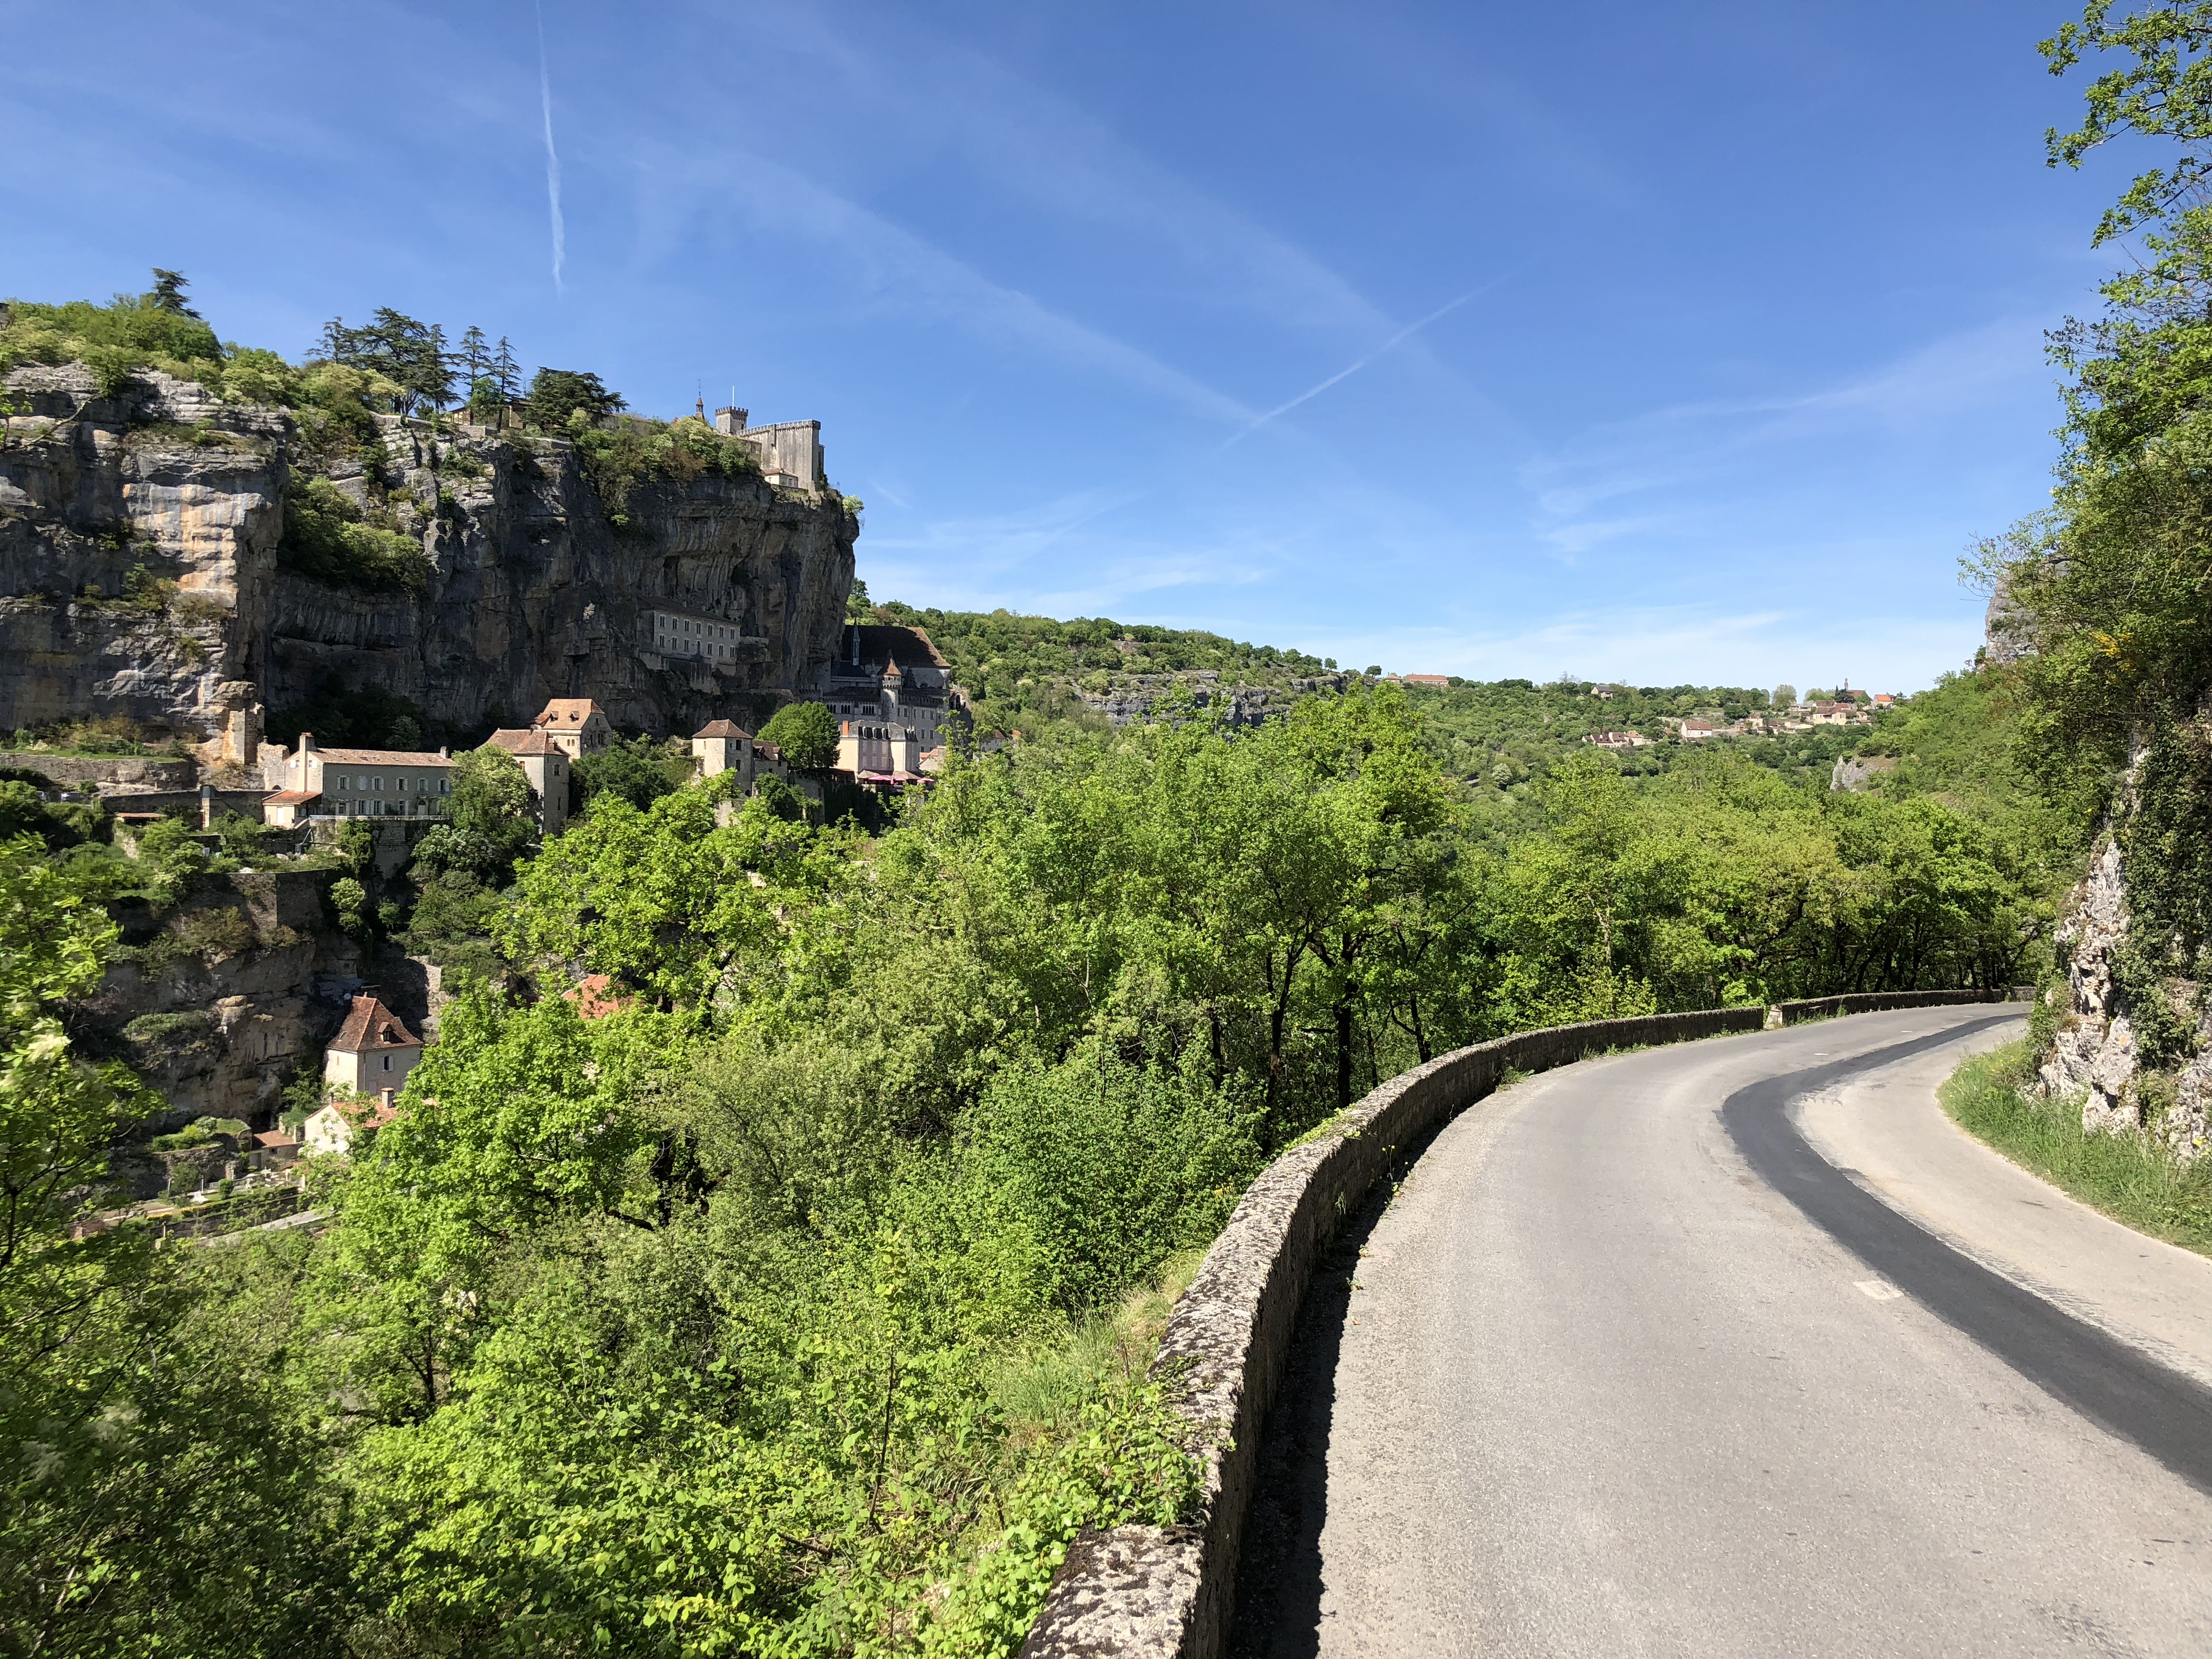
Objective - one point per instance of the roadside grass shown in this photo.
(2126, 1176)
(1046, 1388)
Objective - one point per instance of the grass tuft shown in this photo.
(1047, 1388)
(2131, 1178)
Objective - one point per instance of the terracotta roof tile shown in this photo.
(721, 729)
(382, 757)
(372, 1025)
(525, 740)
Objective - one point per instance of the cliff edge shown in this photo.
(146, 569)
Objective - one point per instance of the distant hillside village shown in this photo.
(300, 811)
(892, 721)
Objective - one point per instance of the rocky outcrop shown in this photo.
(1856, 773)
(138, 549)
(2095, 1053)
(140, 572)
(1132, 697)
(117, 775)
(218, 1002)
(533, 594)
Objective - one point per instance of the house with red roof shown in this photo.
(546, 764)
(358, 783)
(577, 726)
(373, 1050)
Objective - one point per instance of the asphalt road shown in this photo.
(1627, 1367)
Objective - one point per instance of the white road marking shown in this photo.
(1878, 1290)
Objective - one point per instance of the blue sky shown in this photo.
(1663, 343)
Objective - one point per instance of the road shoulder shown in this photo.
(1886, 1129)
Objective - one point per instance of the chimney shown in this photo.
(445, 752)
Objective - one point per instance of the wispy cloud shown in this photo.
(552, 156)
(1399, 338)
(885, 265)
(1684, 462)
(948, 100)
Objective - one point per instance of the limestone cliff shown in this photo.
(105, 502)
(2096, 1052)
(140, 571)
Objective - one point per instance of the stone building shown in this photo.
(577, 726)
(890, 675)
(673, 638)
(334, 1127)
(372, 1052)
(357, 783)
(791, 453)
(545, 763)
(722, 746)
(874, 752)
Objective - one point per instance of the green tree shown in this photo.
(857, 607)
(168, 294)
(636, 771)
(408, 354)
(490, 821)
(806, 733)
(557, 394)
(472, 358)
(491, 795)
(135, 1515)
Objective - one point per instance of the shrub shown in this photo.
(807, 732)
(161, 1027)
(636, 771)
(326, 539)
(339, 714)
(781, 800)
(211, 935)
(617, 458)
(350, 900)
(1118, 1165)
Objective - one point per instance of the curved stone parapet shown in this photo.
(1166, 1593)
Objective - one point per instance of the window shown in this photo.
(387, 1062)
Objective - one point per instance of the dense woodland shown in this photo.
(801, 1304)
(798, 1306)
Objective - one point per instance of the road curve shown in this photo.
(1626, 1368)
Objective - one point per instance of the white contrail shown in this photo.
(552, 156)
(1345, 374)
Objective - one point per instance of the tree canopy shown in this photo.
(806, 733)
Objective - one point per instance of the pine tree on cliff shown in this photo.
(169, 293)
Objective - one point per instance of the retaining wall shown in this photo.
(108, 772)
(1165, 1592)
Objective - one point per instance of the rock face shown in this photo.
(215, 1003)
(1133, 697)
(532, 592)
(2094, 1052)
(160, 481)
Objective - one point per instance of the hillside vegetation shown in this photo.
(797, 1306)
